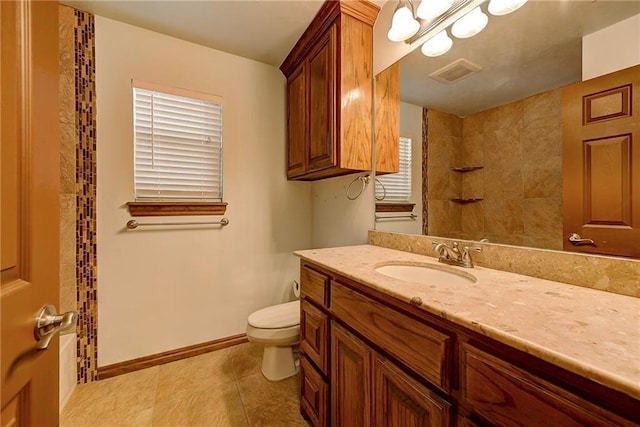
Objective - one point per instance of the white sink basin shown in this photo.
(426, 274)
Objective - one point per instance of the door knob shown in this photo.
(49, 323)
(576, 240)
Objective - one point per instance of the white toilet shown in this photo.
(278, 328)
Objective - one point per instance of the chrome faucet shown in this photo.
(453, 255)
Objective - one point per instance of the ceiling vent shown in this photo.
(456, 71)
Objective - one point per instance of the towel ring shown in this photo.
(364, 180)
(384, 190)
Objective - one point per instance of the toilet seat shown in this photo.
(277, 316)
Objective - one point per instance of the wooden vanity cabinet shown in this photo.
(330, 93)
(368, 359)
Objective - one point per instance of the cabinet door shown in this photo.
(401, 401)
(313, 394)
(350, 379)
(322, 95)
(313, 334)
(297, 135)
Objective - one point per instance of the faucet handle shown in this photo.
(466, 256)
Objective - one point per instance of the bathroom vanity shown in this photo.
(486, 347)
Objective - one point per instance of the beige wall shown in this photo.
(410, 127)
(520, 147)
(164, 288)
(611, 49)
(338, 221)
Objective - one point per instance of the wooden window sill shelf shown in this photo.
(394, 207)
(176, 208)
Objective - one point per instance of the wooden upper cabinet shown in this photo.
(388, 120)
(330, 93)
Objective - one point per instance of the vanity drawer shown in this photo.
(314, 326)
(420, 347)
(314, 285)
(508, 395)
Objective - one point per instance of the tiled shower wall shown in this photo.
(68, 137)
(78, 182)
(519, 146)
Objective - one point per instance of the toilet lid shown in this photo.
(276, 316)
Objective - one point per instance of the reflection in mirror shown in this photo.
(489, 165)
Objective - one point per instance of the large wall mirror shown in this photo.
(489, 114)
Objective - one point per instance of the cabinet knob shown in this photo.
(417, 301)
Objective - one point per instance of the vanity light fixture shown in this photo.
(470, 24)
(430, 9)
(504, 7)
(403, 23)
(437, 45)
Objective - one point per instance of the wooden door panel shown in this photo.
(322, 115)
(350, 379)
(296, 122)
(607, 195)
(29, 209)
(601, 163)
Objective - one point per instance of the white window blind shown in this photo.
(178, 144)
(397, 185)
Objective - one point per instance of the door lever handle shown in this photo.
(49, 323)
(576, 240)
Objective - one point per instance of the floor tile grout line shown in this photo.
(244, 409)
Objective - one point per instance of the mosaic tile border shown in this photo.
(425, 182)
(86, 259)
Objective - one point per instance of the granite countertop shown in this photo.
(589, 332)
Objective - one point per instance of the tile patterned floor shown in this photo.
(217, 389)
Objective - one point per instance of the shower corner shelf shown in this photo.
(465, 201)
(465, 168)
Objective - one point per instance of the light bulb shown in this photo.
(430, 9)
(470, 24)
(403, 25)
(437, 45)
(504, 7)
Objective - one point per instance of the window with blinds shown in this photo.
(178, 144)
(397, 186)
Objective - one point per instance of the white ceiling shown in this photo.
(535, 49)
(264, 30)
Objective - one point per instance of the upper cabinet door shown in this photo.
(601, 164)
(322, 83)
(297, 131)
